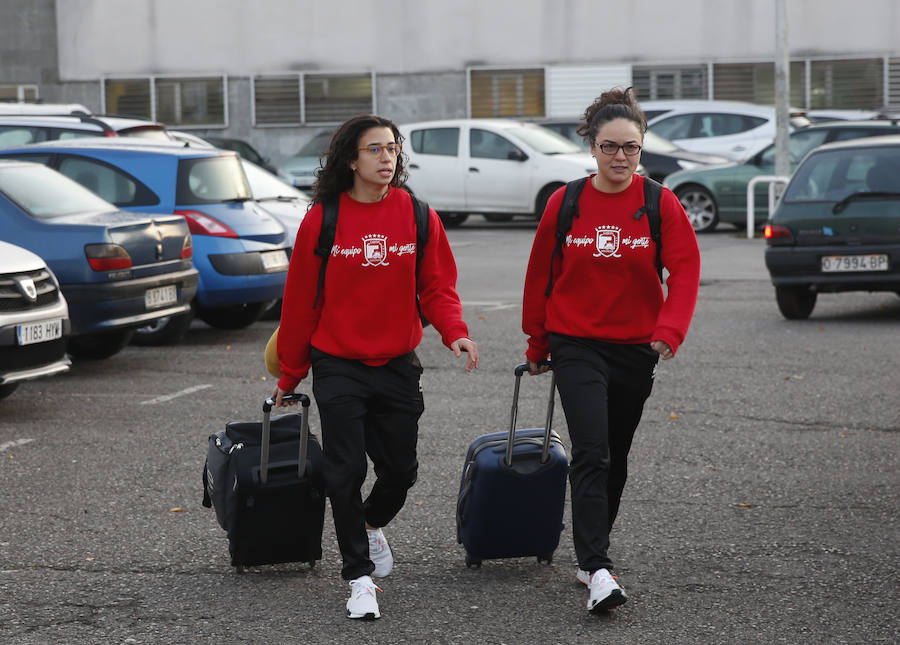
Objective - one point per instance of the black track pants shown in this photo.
(374, 410)
(602, 387)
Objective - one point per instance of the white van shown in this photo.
(496, 167)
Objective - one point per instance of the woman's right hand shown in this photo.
(537, 368)
(278, 395)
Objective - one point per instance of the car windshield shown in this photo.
(834, 174)
(542, 139)
(44, 193)
(316, 146)
(655, 143)
(265, 185)
(211, 179)
(799, 144)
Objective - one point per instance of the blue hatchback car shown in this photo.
(240, 250)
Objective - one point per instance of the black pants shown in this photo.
(602, 387)
(374, 410)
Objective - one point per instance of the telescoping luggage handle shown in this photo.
(545, 454)
(268, 404)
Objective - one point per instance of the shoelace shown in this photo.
(359, 588)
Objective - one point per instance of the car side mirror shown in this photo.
(516, 155)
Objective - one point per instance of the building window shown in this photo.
(847, 84)
(182, 101)
(333, 98)
(755, 83)
(276, 100)
(670, 82)
(506, 93)
(893, 96)
(19, 93)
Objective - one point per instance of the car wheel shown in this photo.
(98, 346)
(233, 317)
(795, 303)
(700, 207)
(6, 390)
(452, 220)
(541, 202)
(497, 217)
(163, 331)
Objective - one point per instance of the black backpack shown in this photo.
(568, 210)
(329, 228)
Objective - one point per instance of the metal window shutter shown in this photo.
(893, 95)
(128, 97)
(571, 89)
(754, 82)
(847, 84)
(507, 93)
(276, 100)
(336, 98)
(670, 82)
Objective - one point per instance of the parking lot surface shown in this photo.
(761, 505)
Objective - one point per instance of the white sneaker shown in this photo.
(584, 577)
(362, 603)
(605, 592)
(380, 553)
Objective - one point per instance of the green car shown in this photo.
(837, 227)
(719, 193)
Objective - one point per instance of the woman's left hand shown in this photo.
(466, 345)
(662, 349)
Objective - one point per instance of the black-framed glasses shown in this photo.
(611, 148)
(393, 149)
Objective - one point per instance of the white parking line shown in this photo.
(489, 305)
(175, 395)
(12, 444)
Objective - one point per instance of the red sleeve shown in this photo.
(681, 257)
(534, 301)
(298, 318)
(437, 285)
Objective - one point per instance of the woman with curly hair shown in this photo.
(606, 322)
(359, 336)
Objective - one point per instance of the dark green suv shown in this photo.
(837, 227)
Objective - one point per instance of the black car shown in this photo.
(659, 156)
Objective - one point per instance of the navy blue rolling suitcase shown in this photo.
(264, 481)
(513, 490)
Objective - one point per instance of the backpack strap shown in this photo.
(568, 211)
(326, 240)
(423, 221)
(652, 197)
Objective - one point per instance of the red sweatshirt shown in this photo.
(606, 286)
(367, 309)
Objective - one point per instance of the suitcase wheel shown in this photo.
(547, 557)
(472, 562)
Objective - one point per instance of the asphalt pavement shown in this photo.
(761, 505)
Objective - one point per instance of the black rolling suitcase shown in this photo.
(264, 481)
(513, 490)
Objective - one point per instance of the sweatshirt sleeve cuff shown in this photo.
(454, 333)
(537, 350)
(670, 337)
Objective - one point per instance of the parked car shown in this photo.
(240, 250)
(719, 194)
(301, 168)
(496, 167)
(34, 319)
(659, 157)
(729, 129)
(244, 149)
(837, 227)
(117, 270)
(21, 130)
(42, 108)
(281, 200)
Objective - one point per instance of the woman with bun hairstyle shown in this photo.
(606, 321)
(359, 336)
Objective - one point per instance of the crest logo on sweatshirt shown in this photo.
(607, 241)
(375, 250)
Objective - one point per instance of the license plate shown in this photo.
(39, 332)
(274, 260)
(846, 263)
(160, 296)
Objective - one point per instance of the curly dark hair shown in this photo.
(335, 176)
(613, 104)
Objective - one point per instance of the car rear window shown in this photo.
(436, 141)
(210, 180)
(19, 135)
(44, 193)
(153, 132)
(834, 174)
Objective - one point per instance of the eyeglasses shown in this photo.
(611, 148)
(393, 149)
